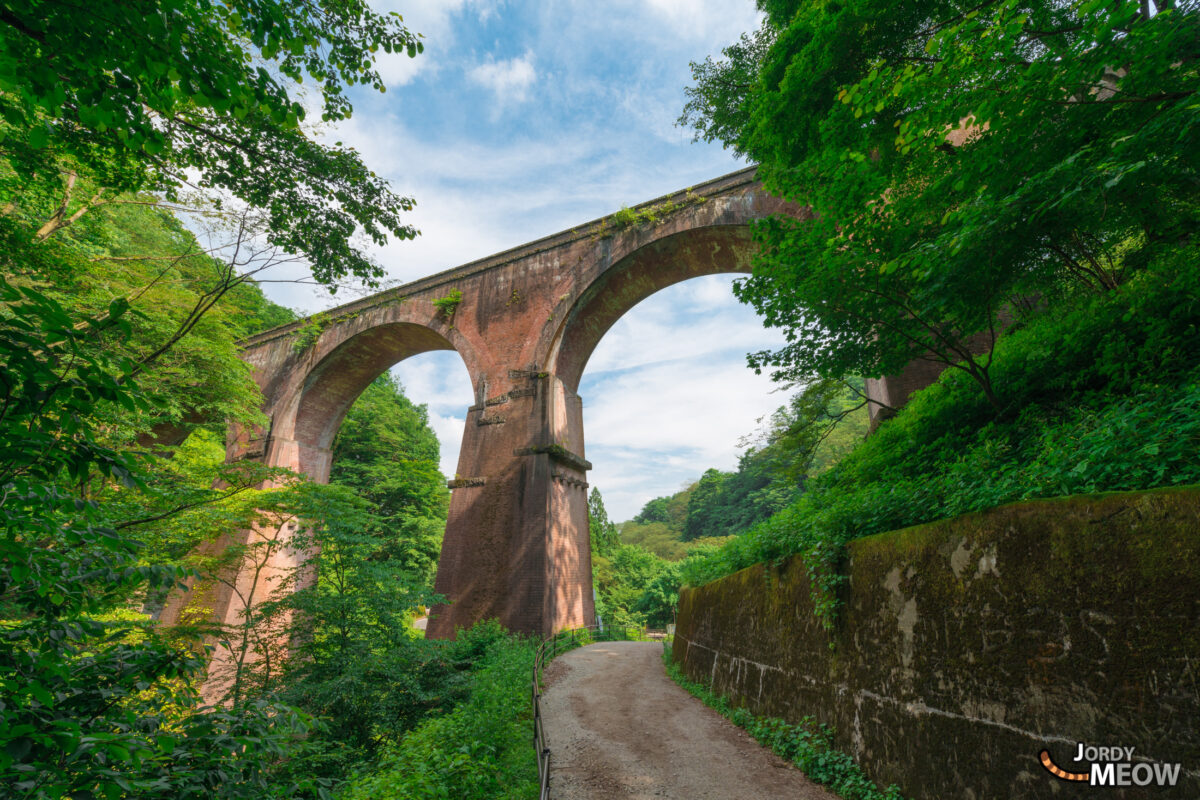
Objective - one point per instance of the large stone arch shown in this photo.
(309, 416)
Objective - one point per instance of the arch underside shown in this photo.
(649, 269)
(336, 382)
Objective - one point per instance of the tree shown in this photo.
(387, 453)
(191, 88)
(655, 537)
(660, 596)
(671, 511)
(705, 504)
(189, 308)
(96, 701)
(654, 511)
(623, 579)
(602, 532)
(961, 159)
(821, 423)
(354, 660)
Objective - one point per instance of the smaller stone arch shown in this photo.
(307, 420)
(307, 390)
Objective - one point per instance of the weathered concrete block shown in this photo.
(965, 647)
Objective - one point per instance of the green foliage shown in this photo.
(625, 218)
(646, 215)
(187, 315)
(96, 702)
(478, 751)
(640, 580)
(726, 503)
(118, 334)
(717, 104)
(449, 304)
(662, 541)
(188, 88)
(387, 453)
(629, 591)
(353, 658)
(308, 333)
(821, 423)
(660, 596)
(808, 745)
(623, 585)
(670, 511)
(602, 532)
(1103, 395)
(720, 504)
(901, 125)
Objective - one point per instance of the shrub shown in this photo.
(479, 751)
(1100, 396)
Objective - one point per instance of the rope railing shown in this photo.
(550, 647)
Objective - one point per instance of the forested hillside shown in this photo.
(821, 423)
(639, 565)
(1007, 190)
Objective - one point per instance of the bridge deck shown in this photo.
(717, 186)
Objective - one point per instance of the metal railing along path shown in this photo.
(550, 647)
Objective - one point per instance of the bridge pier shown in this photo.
(516, 546)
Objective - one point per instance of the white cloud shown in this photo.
(652, 430)
(449, 431)
(509, 80)
(707, 20)
(667, 393)
(440, 381)
(434, 21)
(397, 69)
(687, 321)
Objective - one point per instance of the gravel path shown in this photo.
(618, 727)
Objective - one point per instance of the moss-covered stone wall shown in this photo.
(965, 647)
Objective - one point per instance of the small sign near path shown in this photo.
(618, 727)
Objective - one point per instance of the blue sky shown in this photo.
(523, 119)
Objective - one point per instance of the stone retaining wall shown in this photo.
(965, 647)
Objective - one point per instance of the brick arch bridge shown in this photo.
(516, 546)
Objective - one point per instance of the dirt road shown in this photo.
(618, 727)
